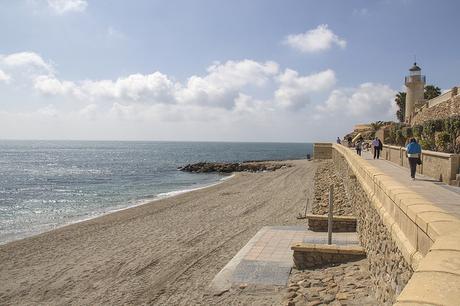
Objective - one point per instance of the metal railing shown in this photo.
(415, 78)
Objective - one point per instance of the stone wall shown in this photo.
(308, 255)
(322, 150)
(442, 110)
(427, 237)
(440, 166)
(340, 224)
(389, 269)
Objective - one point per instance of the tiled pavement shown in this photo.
(442, 195)
(267, 257)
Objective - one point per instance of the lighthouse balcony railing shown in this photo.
(415, 78)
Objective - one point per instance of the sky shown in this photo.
(214, 70)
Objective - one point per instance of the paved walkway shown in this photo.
(267, 258)
(442, 195)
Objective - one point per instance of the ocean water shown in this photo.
(47, 184)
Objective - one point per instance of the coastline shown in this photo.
(165, 252)
(158, 197)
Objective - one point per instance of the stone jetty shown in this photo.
(206, 167)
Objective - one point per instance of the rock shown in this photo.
(341, 296)
(243, 286)
(205, 167)
(304, 283)
(328, 298)
(314, 303)
(291, 295)
(315, 283)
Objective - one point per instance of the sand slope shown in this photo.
(164, 253)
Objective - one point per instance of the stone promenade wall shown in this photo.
(389, 269)
(441, 166)
(402, 232)
(322, 150)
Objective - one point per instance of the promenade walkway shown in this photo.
(440, 194)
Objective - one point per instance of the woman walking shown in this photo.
(413, 151)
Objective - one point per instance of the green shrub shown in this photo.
(406, 132)
(417, 130)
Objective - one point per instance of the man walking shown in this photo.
(413, 154)
(377, 144)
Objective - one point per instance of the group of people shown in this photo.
(413, 151)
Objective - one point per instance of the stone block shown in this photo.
(424, 242)
(424, 218)
(441, 261)
(442, 228)
(431, 288)
(449, 242)
(415, 209)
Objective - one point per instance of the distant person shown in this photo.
(413, 154)
(349, 141)
(338, 140)
(377, 144)
(359, 146)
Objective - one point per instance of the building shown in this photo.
(418, 109)
(415, 84)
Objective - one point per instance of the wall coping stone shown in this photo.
(436, 278)
(334, 218)
(425, 152)
(328, 248)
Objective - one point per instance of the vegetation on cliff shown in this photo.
(442, 135)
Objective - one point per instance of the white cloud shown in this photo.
(150, 88)
(4, 77)
(224, 103)
(319, 39)
(28, 60)
(222, 84)
(368, 102)
(50, 85)
(61, 7)
(294, 90)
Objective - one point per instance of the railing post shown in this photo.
(329, 218)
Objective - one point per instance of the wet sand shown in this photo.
(163, 253)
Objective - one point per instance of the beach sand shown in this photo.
(163, 253)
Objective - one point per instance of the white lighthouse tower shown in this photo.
(415, 84)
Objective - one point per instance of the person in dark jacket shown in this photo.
(359, 146)
(413, 151)
(377, 144)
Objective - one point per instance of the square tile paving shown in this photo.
(267, 258)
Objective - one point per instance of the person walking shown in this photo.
(338, 140)
(377, 144)
(413, 151)
(359, 146)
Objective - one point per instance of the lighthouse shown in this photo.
(415, 84)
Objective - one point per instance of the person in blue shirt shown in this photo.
(413, 151)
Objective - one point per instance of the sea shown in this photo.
(48, 184)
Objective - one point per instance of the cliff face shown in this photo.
(444, 110)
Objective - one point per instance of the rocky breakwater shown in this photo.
(206, 167)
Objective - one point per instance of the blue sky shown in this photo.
(214, 70)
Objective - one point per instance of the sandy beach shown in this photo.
(163, 253)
